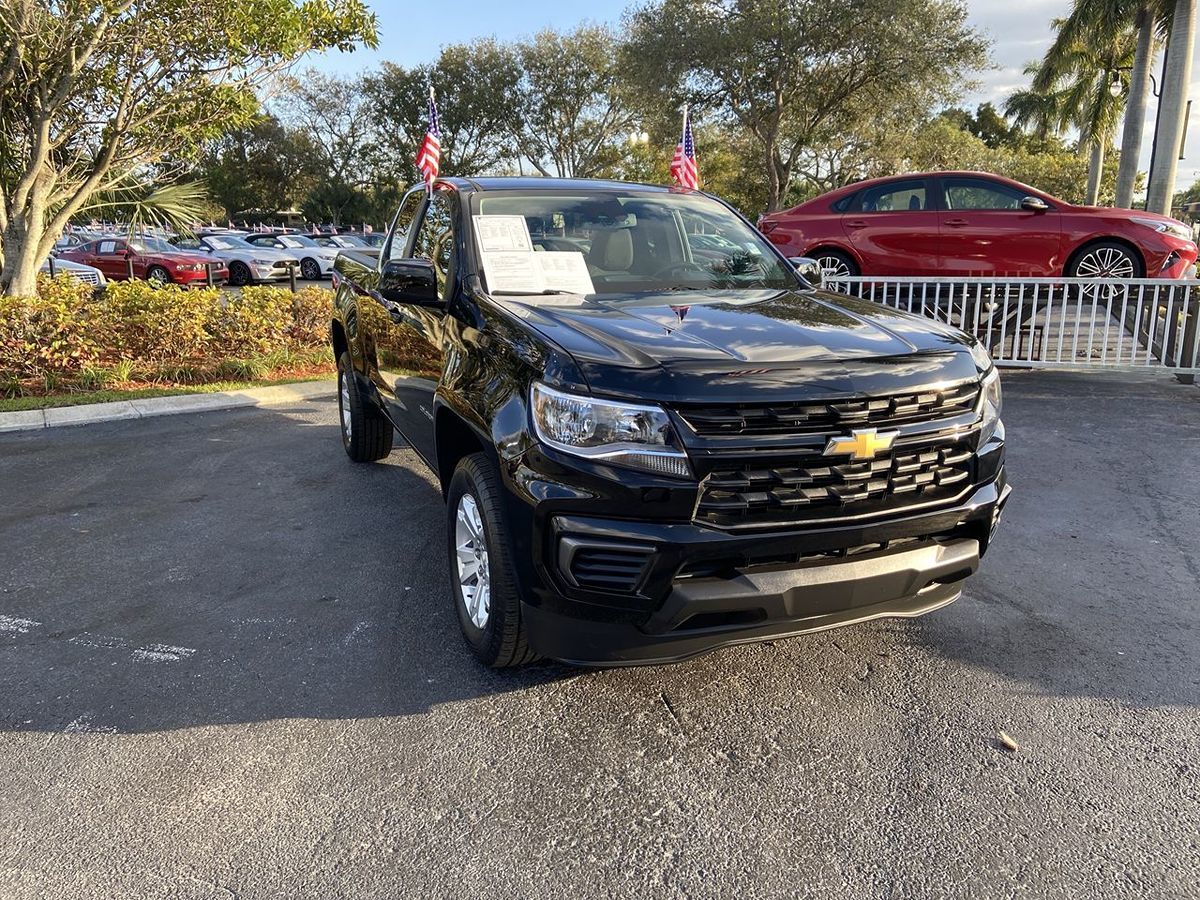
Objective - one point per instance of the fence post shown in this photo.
(208, 275)
(129, 267)
(50, 264)
(292, 277)
(1187, 353)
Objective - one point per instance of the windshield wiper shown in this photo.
(525, 293)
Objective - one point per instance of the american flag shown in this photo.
(430, 153)
(684, 170)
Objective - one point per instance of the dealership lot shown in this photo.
(231, 668)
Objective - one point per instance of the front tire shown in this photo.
(158, 276)
(366, 433)
(482, 577)
(1106, 259)
(310, 269)
(239, 274)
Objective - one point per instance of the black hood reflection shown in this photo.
(740, 343)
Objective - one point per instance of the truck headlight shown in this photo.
(991, 402)
(624, 434)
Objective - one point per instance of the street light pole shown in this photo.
(1172, 110)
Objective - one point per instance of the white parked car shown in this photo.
(87, 274)
(247, 263)
(316, 260)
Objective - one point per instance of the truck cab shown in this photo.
(654, 437)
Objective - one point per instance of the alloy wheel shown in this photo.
(344, 405)
(833, 267)
(474, 575)
(309, 269)
(1105, 262)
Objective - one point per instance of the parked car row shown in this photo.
(219, 255)
(971, 223)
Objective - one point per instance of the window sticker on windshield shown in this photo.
(516, 273)
(565, 271)
(503, 234)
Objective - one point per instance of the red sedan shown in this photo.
(153, 260)
(972, 223)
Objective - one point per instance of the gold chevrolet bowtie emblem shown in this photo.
(861, 444)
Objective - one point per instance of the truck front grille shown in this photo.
(806, 486)
(831, 415)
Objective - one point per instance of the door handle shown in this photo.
(955, 223)
(856, 223)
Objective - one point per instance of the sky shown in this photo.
(1019, 30)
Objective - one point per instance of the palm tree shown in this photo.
(1173, 107)
(1042, 113)
(1080, 67)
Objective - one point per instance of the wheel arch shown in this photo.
(833, 247)
(1105, 239)
(454, 438)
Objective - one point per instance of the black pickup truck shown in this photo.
(654, 436)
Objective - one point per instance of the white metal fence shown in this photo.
(1053, 322)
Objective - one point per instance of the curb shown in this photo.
(86, 414)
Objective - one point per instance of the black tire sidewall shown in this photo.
(165, 275)
(239, 273)
(346, 376)
(316, 267)
(476, 475)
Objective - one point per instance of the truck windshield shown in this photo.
(629, 243)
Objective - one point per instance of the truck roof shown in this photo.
(533, 182)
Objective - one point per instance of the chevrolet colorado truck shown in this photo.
(654, 436)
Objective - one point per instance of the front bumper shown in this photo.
(702, 588)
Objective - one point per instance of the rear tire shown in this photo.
(481, 564)
(835, 264)
(366, 433)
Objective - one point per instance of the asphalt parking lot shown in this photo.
(230, 668)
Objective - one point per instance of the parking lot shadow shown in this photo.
(224, 567)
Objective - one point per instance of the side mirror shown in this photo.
(1035, 204)
(409, 281)
(809, 269)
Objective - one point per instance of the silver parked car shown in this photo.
(247, 262)
(87, 274)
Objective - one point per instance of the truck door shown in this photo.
(409, 338)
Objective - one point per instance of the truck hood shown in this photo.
(744, 344)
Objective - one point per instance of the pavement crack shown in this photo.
(670, 707)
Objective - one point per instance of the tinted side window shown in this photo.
(975, 193)
(435, 240)
(895, 196)
(398, 239)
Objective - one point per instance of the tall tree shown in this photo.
(573, 112)
(1080, 69)
(1173, 107)
(476, 89)
(263, 166)
(795, 73)
(93, 91)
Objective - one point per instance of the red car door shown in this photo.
(985, 230)
(108, 255)
(893, 227)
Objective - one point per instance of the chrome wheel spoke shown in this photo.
(470, 548)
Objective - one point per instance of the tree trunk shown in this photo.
(1095, 173)
(1176, 81)
(1135, 109)
(21, 263)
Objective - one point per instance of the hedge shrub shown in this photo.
(66, 334)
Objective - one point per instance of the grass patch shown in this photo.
(78, 398)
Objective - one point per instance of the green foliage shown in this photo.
(92, 92)
(66, 336)
(263, 166)
(796, 73)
